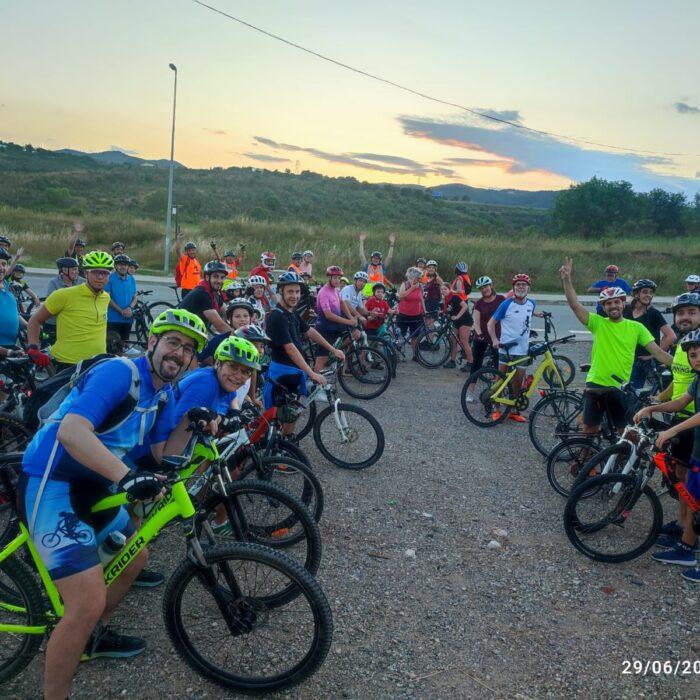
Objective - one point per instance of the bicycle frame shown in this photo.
(176, 503)
(547, 363)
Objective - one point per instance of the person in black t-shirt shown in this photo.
(652, 319)
(286, 330)
(205, 299)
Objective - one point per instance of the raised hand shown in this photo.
(566, 269)
(363, 237)
(392, 238)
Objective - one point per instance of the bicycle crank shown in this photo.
(522, 402)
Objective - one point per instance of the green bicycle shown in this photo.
(491, 391)
(251, 588)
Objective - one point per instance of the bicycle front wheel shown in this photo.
(432, 350)
(552, 418)
(350, 437)
(366, 373)
(477, 400)
(609, 520)
(306, 422)
(227, 622)
(566, 369)
(20, 604)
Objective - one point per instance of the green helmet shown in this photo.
(239, 350)
(182, 321)
(98, 260)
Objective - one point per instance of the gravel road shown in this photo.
(422, 606)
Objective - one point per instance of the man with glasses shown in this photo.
(81, 317)
(76, 459)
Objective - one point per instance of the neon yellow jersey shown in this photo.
(81, 323)
(683, 376)
(613, 348)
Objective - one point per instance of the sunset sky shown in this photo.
(94, 75)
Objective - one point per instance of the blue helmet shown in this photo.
(289, 278)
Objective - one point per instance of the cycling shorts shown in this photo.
(65, 533)
(466, 319)
(408, 324)
(594, 407)
(331, 337)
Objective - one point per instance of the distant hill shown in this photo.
(119, 158)
(542, 199)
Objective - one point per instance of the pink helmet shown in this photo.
(522, 278)
(334, 270)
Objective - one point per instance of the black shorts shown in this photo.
(599, 401)
(466, 319)
(123, 329)
(408, 324)
(331, 337)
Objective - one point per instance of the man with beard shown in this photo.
(615, 339)
(81, 317)
(686, 318)
(76, 459)
(205, 299)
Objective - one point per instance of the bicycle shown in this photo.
(143, 318)
(220, 601)
(434, 345)
(493, 389)
(363, 363)
(631, 514)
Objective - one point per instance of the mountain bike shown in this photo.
(143, 318)
(617, 516)
(365, 374)
(493, 390)
(242, 615)
(434, 345)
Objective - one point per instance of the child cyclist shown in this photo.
(378, 308)
(683, 553)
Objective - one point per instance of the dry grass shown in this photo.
(666, 261)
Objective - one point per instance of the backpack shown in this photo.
(49, 395)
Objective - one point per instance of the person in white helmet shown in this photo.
(692, 283)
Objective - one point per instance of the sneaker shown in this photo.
(105, 643)
(496, 415)
(148, 579)
(450, 364)
(517, 417)
(673, 529)
(692, 574)
(469, 398)
(221, 528)
(681, 554)
(666, 542)
(466, 367)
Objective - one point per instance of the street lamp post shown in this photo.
(166, 254)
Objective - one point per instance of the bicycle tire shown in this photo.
(157, 307)
(481, 411)
(271, 534)
(275, 470)
(334, 459)
(567, 371)
(14, 434)
(440, 347)
(310, 413)
(12, 463)
(384, 346)
(598, 463)
(572, 450)
(564, 407)
(224, 557)
(282, 447)
(362, 369)
(24, 594)
(577, 528)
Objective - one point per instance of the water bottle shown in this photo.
(113, 543)
(196, 487)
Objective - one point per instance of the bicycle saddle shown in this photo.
(585, 367)
(174, 461)
(508, 346)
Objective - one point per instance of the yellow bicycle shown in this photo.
(488, 395)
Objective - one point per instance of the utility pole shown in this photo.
(168, 223)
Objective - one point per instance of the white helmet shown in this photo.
(268, 259)
(612, 293)
(361, 276)
(483, 281)
(308, 252)
(431, 262)
(257, 279)
(693, 279)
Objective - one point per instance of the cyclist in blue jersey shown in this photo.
(76, 459)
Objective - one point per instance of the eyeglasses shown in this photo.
(235, 368)
(99, 273)
(173, 345)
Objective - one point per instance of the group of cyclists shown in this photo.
(120, 416)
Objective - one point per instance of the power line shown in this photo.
(425, 96)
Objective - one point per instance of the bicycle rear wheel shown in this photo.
(268, 515)
(483, 410)
(157, 307)
(552, 418)
(20, 604)
(14, 435)
(611, 460)
(352, 438)
(566, 461)
(432, 349)
(369, 373)
(231, 624)
(609, 520)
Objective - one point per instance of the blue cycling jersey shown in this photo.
(99, 392)
(201, 388)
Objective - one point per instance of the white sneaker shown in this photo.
(470, 397)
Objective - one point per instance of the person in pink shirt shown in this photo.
(330, 320)
(307, 263)
(411, 306)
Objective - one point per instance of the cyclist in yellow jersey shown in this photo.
(81, 316)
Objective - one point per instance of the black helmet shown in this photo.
(253, 333)
(133, 263)
(190, 246)
(214, 266)
(644, 284)
(5, 241)
(66, 262)
(297, 256)
(289, 278)
(687, 299)
(117, 244)
(377, 254)
(421, 260)
(80, 241)
(4, 255)
(239, 304)
(229, 254)
(19, 268)
(121, 258)
(690, 340)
